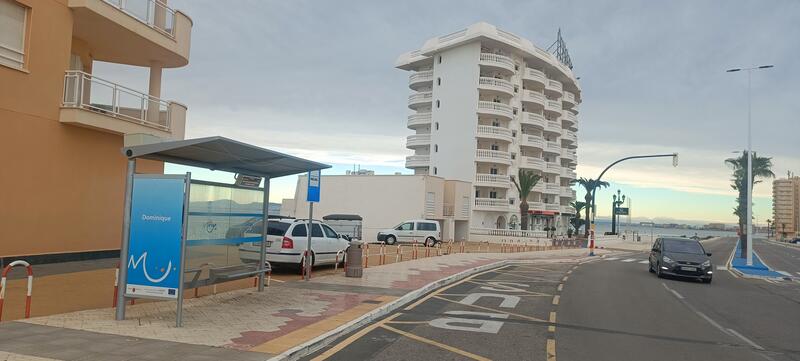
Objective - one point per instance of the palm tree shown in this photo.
(576, 221)
(761, 168)
(527, 180)
(589, 185)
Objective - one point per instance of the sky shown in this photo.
(317, 79)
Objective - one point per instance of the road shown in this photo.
(609, 308)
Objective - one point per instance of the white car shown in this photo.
(287, 240)
(424, 231)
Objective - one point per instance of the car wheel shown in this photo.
(430, 242)
(390, 240)
(706, 280)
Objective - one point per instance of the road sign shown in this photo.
(156, 237)
(622, 211)
(314, 178)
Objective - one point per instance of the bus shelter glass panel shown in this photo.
(221, 225)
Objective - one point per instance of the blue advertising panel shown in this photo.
(313, 186)
(156, 229)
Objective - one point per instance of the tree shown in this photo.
(589, 185)
(527, 180)
(761, 168)
(576, 221)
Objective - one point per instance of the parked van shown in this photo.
(426, 231)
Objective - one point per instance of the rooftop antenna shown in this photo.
(561, 52)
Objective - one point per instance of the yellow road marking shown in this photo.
(437, 344)
(333, 350)
(553, 317)
(551, 349)
(565, 279)
(569, 272)
(493, 310)
(434, 293)
(556, 298)
(540, 279)
(408, 322)
(560, 287)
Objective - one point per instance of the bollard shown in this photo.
(438, 249)
(30, 286)
(383, 254)
(336, 264)
(414, 250)
(427, 252)
(462, 247)
(399, 256)
(366, 255)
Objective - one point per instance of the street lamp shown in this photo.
(749, 239)
(614, 206)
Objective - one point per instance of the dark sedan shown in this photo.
(681, 257)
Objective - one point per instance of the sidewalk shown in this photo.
(242, 324)
(617, 243)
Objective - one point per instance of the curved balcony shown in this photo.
(533, 141)
(553, 87)
(553, 127)
(533, 97)
(552, 188)
(536, 76)
(531, 163)
(554, 107)
(496, 85)
(539, 188)
(568, 173)
(492, 132)
(418, 161)
(492, 180)
(492, 108)
(568, 154)
(568, 100)
(420, 79)
(419, 100)
(553, 207)
(533, 119)
(492, 156)
(567, 210)
(418, 140)
(535, 206)
(497, 61)
(569, 136)
(567, 192)
(552, 147)
(569, 118)
(492, 204)
(419, 120)
(575, 109)
(552, 168)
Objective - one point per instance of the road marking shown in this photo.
(745, 339)
(629, 260)
(434, 293)
(552, 327)
(556, 298)
(784, 273)
(569, 272)
(678, 295)
(437, 344)
(565, 279)
(492, 309)
(560, 287)
(333, 350)
(612, 259)
(643, 262)
(798, 273)
(551, 349)
(722, 268)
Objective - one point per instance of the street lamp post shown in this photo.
(749, 239)
(614, 206)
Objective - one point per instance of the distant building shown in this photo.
(715, 226)
(786, 206)
(360, 172)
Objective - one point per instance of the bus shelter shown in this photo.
(176, 228)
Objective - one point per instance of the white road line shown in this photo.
(745, 339)
(612, 259)
(784, 273)
(798, 273)
(678, 295)
(722, 268)
(629, 260)
(644, 261)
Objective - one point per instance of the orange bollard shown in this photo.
(366, 255)
(29, 269)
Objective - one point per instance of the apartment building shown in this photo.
(485, 103)
(786, 207)
(63, 175)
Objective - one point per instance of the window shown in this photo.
(495, 147)
(492, 194)
(12, 33)
(477, 193)
(437, 125)
(329, 232)
(274, 228)
(300, 231)
(493, 171)
(425, 226)
(435, 148)
(440, 59)
(408, 226)
(438, 81)
(316, 230)
(435, 171)
(437, 103)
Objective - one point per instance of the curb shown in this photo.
(329, 337)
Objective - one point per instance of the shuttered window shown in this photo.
(12, 33)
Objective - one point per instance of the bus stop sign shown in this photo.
(313, 186)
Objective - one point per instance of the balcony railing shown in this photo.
(501, 84)
(495, 179)
(551, 167)
(553, 147)
(554, 85)
(416, 161)
(535, 75)
(570, 117)
(493, 155)
(85, 91)
(497, 59)
(530, 140)
(495, 107)
(154, 13)
(423, 97)
(567, 192)
(533, 119)
(533, 97)
(567, 210)
(493, 203)
(552, 207)
(416, 140)
(552, 188)
(553, 106)
(419, 119)
(494, 132)
(517, 233)
(421, 76)
(531, 163)
(570, 136)
(568, 173)
(553, 127)
(568, 98)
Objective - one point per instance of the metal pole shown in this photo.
(308, 245)
(123, 250)
(264, 233)
(188, 184)
(749, 177)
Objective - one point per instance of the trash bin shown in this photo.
(354, 268)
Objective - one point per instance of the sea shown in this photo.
(603, 227)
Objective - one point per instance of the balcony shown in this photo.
(534, 97)
(553, 106)
(420, 79)
(553, 87)
(570, 118)
(535, 206)
(96, 103)
(568, 154)
(496, 85)
(552, 188)
(492, 204)
(492, 132)
(568, 100)
(531, 163)
(552, 147)
(567, 192)
(497, 61)
(539, 188)
(133, 32)
(552, 168)
(493, 108)
(419, 120)
(568, 173)
(567, 210)
(530, 140)
(533, 119)
(492, 156)
(552, 207)
(418, 141)
(570, 136)
(553, 127)
(535, 76)
(419, 100)
(492, 180)
(418, 161)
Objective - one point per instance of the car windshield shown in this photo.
(676, 246)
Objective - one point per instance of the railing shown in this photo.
(568, 154)
(493, 154)
(552, 207)
(536, 206)
(496, 131)
(533, 96)
(553, 167)
(554, 127)
(539, 187)
(531, 162)
(492, 202)
(568, 173)
(567, 192)
(508, 232)
(567, 210)
(448, 210)
(85, 91)
(529, 140)
(534, 74)
(419, 119)
(554, 85)
(494, 82)
(553, 147)
(553, 106)
(153, 13)
(494, 106)
(570, 117)
(418, 160)
(552, 188)
(451, 36)
(568, 97)
(426, 75)
(492, 178)
(496, 58)
(418, 139)
(420, 97)
(533, 119)
(570, 136)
